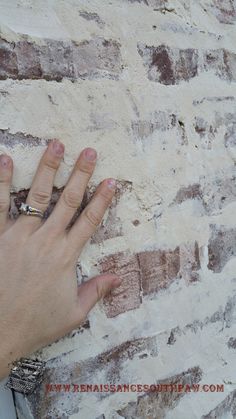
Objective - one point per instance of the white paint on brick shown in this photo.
(99, 113)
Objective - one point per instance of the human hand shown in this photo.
(39, 297)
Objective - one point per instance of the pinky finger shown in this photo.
(6, 169)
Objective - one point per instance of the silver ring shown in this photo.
(28, 210)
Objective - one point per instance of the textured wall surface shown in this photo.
(151, 85)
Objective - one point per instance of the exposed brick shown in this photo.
(225, 315)
(208, 130)
(146, 273)
(170, 66)
(158, 269)
(11, 140)
(159, 121)
(220, 192)
(189, 262)
(224, 10)
(157, 5)
(213, 99)
(54, 60)
(188, 192)
(214, 195)
(232, 343)
(111, 362)
(91, 16)
(227, 408)
(157, 404)
(221, 247)
(127, 296)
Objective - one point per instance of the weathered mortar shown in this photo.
(151, 85)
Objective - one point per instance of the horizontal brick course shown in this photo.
(170, 66)
(155, 404)
(55, 60)
(146, 273)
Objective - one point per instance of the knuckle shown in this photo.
(5, 180)
(85, 168)
(100, 289)
(4, 205)
(92, 217)
(71, 198)
(51, 164)
(41, 197)
(106, 197)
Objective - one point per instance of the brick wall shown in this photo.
(151, 85)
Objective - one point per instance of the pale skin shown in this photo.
(40, 300)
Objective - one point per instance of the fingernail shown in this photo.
(5, 161)
(111, 183)
(58, 148)
(90, 154)
(117, 282)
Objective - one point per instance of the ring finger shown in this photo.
(6, 166)
(41, 189)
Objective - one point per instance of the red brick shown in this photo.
(170, 66)
(188, 192)
(224, 10)
(54, 60)
(11, 140)
(221, 247)
(156, 404)
(213, 195)
(158, 121)
(158, 269)
(225, 408)
(189, 262)
(112, 363)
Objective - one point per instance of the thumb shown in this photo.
(90, 292)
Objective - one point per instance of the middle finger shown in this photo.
(73, 192)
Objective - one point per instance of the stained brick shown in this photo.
(207, 131)
(188, 192)
(159, 121)
(220, 192)
(223, 409)
(221, 247)
(146, 273)
(158, 269)
(214, 195)
(11, 140)
(170, 66)
(91, 16)
(224, 10)
(54, 59)
(157, 404)
(157, 5)
(111, 363)
(189, 262)
(232, 343)
(224, 315)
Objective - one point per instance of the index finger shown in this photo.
(92, 215)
